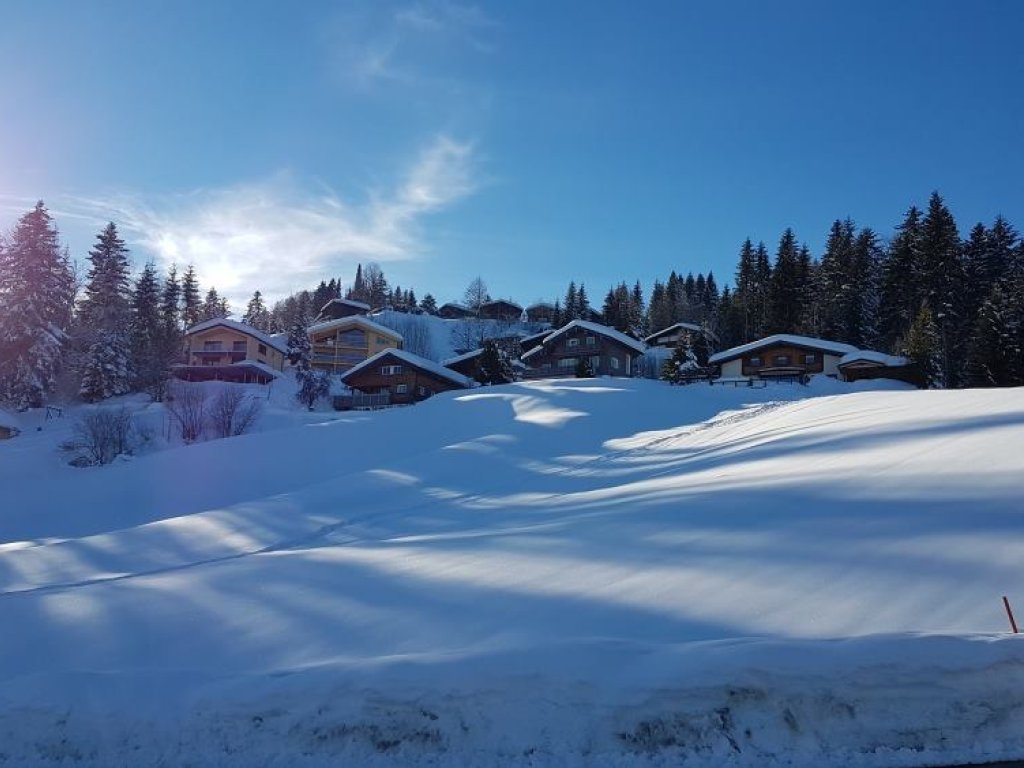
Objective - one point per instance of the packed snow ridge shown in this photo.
(596, 572)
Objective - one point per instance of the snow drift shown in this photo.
(596, 572)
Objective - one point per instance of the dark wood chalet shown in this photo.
(671, 336)
(335, 309)
(465, 363)
(541, 312)
(501, 309)
(454, 311)
(397, 377)
(610, 352)
(526, 343)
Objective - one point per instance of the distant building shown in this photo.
(866, 364)
(501, 309)
(609, 352)
(338, 308)
(9, 425)
(227, 350)
(541, 312)
(397, 377)
(671, 336)
(454, 311)
(338, 345)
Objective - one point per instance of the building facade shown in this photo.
(398, 377)
(339, 345)
(609, 352)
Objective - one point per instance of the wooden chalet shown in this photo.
(501, 309)
(526, 343)
(454, 311)
(782, 356)
(671, 336)
(464, 363)
(227, 350)
(338, 345)
(397, 377)
(541, 312)
(867, 364)
(609, 352)
(336, 309)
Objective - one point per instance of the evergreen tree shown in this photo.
(256, 313)
(836, 288)
(683, 366)
(584, 370)
(637, 312)
(941, 277)
(104, 320)
(583, 310)
(996, 356)
(900, 297)
(191, 306)
(429, 304)
(147, 334)
(213, 306)
(299, 351)
(923, 347)
(36, 294)
(570, 309)
(787, 294)
(493, 366)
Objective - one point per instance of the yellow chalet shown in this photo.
(341, 344)
(227, 350)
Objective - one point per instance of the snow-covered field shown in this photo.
(600, 572)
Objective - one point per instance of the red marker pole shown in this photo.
(1009, 612)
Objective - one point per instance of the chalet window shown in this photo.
(211, 346)
(591, 341)
(781, 360)
(381, 340)
(238, 346)
(401, 389)
(572, 343)
(422, 391)
(595, 362)
(755, 361)
(262, 349)
(614, 363)
(810, 359)
(390, 370)
(568, 362)
(546, 365)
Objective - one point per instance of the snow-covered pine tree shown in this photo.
(923, 347)
(786, 295)
(213, 306)
(493, 367)
(36, 294)
(146, 333)
(429, 304)
(941, 275)
(299, 351)
(104, 320)
(683, 366)
(256, 313)
(900, 294)
(584, 370)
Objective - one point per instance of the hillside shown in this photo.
(598, 572)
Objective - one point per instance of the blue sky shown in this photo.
(530, 143)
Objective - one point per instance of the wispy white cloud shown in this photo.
(409, 45)
(278, 235)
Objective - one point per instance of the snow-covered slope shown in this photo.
(598, 572)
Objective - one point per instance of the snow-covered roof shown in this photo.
(456, 304)
(234, 325)
(870, 356)
(348, 303)
(363, 322)
(417, 362)
(465, 356)
(502, 301)
(600, 330)
(677, 327)
(540, 305)
(832, 347)
(257, 364)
